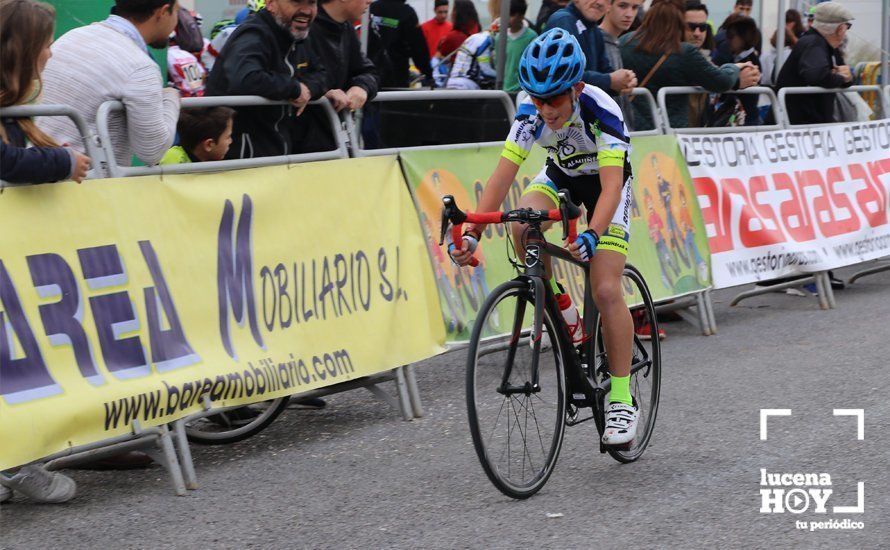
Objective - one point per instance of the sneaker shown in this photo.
(643, 330)
(41, 485)
(621, 424)
(5, 494)
(794, 291)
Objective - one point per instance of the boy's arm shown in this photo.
(496, 189)
(607, 204)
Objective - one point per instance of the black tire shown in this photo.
(214, 430)
(488, 355)
(645, 382)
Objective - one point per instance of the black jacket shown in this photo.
(19, 164)
(548, 8)
(261, 58)
(338, 49)
(395, 38)
(810, 64)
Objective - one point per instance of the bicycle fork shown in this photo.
(536, 284)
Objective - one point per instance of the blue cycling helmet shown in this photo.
(551, 64)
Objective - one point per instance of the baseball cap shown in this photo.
(832, 12)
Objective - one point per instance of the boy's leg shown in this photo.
(621, 414)
(606, 270)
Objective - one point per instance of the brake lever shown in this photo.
(569, 212)
(450, 213)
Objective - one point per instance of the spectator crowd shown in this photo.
(297, 51)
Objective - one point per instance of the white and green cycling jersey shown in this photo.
(473, 65)
(594, 136)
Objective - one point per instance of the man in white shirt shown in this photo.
(107, 61)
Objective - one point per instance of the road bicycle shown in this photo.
(525, 379)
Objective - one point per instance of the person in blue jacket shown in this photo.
(28, 155)
(581, 19)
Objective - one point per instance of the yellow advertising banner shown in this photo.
(135, 299)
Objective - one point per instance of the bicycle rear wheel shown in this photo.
(517, 428)
(233, 425)
(645, 377)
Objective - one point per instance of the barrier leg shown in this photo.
(398, 404)
(869, 271)
(821, 279)
(709, 306)
(687, 316)
(829, 292)
(165, 455)
(413, 392)
(404, 399)
(185, 455)
(780, 286)
(702, 313)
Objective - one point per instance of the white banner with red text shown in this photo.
(792, 201)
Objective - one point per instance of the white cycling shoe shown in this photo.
(621, 424)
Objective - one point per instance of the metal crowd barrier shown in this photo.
(426, 95)
(687, 90)
(93, 149)
(785, 92)
(653, 108)
(116, 171)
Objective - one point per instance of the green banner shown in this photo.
(673, 265)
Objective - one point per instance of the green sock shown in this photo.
(620, 392)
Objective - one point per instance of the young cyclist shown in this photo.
(587, 142)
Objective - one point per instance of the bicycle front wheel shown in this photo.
(517, 419)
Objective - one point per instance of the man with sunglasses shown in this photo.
(816, 61)
(583, 131)
(697, 26)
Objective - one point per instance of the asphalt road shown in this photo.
(356, 476)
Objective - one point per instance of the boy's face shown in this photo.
(622, 13)
(742, 9)
(556, 111)
(217, 148)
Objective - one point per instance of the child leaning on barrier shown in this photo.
(204, 134)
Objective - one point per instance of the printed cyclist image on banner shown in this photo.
(796, 201)
(674, 258)
(462, 173)
(135, 299)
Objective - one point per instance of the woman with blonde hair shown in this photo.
(27, 154)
